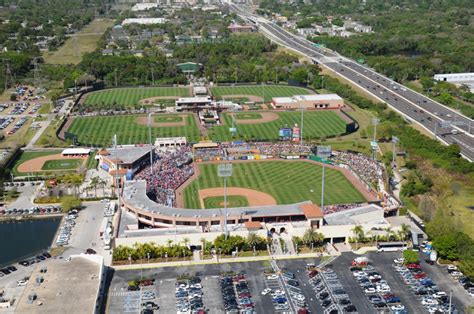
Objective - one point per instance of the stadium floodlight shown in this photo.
(322, 153)
(151, 145)
(395, 140)
(225, 171)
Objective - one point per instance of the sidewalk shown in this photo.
(221, 261)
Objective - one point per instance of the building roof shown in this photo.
(359, 215)
(121, 172)
(317, 97)
(204, 99)
(253, 225)
(76, 151)
(312, 211)
(127, 154)
(277, 100)
(67, 287)
(104, 152)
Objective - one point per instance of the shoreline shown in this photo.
(29, 217)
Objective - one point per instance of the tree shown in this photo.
(410, 256)
(311, 236)
(70, 202)
(186, 241)
(405, 231)
(446, 247)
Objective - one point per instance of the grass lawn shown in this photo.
(232, 201)
(316, 125)
(247, 116)
(30, 155)
(21, 137)
(287, 182)
(91, 161)
(49, 138)
(78, 44)
(129, 97)
(267, 92)
(168, 118)
(99, 130)
(61, 164)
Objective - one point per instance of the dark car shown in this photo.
(12, 268)
(350, 308)
(380, 304)
(293, 283)
(90, 251)
(326, 303)
(47, 255)
(323, 295)
(5, 271)
(344, 302)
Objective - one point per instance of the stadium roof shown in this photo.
(312, 211)
(359, 215)
(317, 97)
(127, 154)
(76, 151)
(189, 66)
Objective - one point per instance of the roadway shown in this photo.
(448, 125)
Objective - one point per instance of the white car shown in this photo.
(22, 282)
(400, 260)
(452, 267)
(456, 274)
(398, 307)
(266, 291)
(383, 289)
(427, 301)
(439, 294)
(369, 290)
(299, 297)
(359, 273)
(272, 277)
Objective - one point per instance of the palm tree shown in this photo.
(390, 233)
(186, 241)
(253, 239)
(312, 237)
(359, 234)
(405, 230)
(93, 184)
(169, 242)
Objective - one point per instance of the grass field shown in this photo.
(129, 97)
(287, 182)
(61, 164)
(316, 124)
(99, 130)
(30, 155)
(78, 44)
(232, 201)
(168, 118)
(267, 92)
(248, 116)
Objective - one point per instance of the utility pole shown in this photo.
(302, 122)
(8, 73)
(322, 187)
(375, 122)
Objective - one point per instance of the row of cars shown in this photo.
(330, 291)
(376, 288)
(66, 228)
(423, 287)
(188, 295)
(37, 210)
(18, 125)
(109, 208)
(5, 121)
(27, 262)
(236, 294)
(464, 281)
(280, 298)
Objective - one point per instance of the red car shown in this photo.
(413, 266)
(244, 295)
(387, 296)
(420, 276)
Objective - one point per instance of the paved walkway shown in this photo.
(220, 261)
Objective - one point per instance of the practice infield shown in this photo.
(130, 97)
(232, 201)
(262, 91)
(248, 116)
(61, 164)
(287, 182)
(316, 124)
(99, 130)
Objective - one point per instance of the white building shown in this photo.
(144, 21)
(457, 79)
(144, 6)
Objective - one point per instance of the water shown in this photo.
(21, 239)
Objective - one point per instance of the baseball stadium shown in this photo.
(264, 134)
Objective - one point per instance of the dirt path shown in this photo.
(254, 197)
(35, 164)
(143, 120)
(266, 117)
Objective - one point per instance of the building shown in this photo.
(72, 285)
(126, 159)
(163, 142)
(144, 6)
(195, 224)
(144, 21)
(200, 91)
(237, 28)
(457, 79)
(75, 152)
(194, 103)
(316, 101)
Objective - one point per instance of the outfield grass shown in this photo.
(30, 155)
(232, 201)
(267, 92)
(316, 124)
(99, 130)
(247, 116)
(61, 164)
(129, 97)
(287, 182)
(168, 119)
(78, 44)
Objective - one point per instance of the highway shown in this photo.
(449, 126)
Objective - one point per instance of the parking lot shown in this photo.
(257, 276)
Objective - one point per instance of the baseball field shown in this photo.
(130, 97)
(131, 129)
(266, 92)
(44, 162)
(265, 125)
(285, 182)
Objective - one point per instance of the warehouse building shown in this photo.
(317, 101)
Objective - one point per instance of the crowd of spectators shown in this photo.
(330, 209)
(366, 168)
(169, 170)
